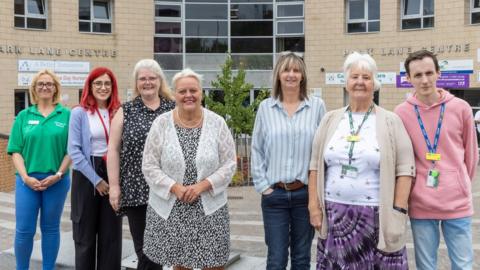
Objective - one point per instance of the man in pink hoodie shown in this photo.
(443, 135)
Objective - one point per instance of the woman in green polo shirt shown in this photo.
(38, 145)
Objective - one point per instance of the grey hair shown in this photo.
(153, 66)
(187, 72)
(364, 62)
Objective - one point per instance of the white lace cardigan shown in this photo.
(164, 165)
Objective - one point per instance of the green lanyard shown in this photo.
(355, 133)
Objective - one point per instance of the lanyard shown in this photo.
(437, 132)
(103, 124)
(355, 133)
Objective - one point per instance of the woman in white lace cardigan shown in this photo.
(188, 162)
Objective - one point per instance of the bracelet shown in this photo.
(400, 209)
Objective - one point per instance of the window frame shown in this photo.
(419, 15)
(365, 18)
(94, 20)
(28, 15)
(472, 11)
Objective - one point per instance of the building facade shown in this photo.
(388, 30)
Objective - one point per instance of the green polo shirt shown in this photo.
(42, 141)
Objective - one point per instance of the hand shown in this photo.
(193, 192)
(267, 191)
(34, 183)
(102, 188)
(50, 180)
(179, 191)
(114, 197)
(316, 219)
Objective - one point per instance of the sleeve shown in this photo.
(470, 142)
(158, 181)
(221, 178)
(74, 147)
(405, 158)
(322, 111)
(15, 141)
(258, 164)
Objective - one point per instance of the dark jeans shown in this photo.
(287, 225)
(136, 221)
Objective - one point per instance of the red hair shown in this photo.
(88, 100)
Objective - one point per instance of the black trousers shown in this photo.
(136, 220)
(97, 230)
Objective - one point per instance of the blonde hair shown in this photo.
(287, 60)
(153, 66)
(56, 81)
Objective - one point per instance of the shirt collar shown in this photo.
(275, 102)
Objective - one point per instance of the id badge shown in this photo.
(432, 178)
(349, 171)
(353, 138)
(432, 156)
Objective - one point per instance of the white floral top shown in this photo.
(164, 164)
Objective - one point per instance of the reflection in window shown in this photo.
(475, 18)
(417, 14)
(22, 100)
(168, 11)
(30, 14)
(251, 11)
(169, 61)
(206, 28)
(252, 28)
(252, 45)
(253, 62)
(290, 27)
(206, 45)
(205, 11)
(363, 16)
(168, 28)
(294, 44)
(288, 11)
(167, 44)
(95, 16)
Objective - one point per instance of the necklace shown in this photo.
(188, 126)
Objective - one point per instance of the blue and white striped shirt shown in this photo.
(281, 145)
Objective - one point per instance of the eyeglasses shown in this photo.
(49, 85)
(99, 84)
(145, 79)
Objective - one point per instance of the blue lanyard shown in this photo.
(437, 132)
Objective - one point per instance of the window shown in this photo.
(289, 19)
(475, 7)
(22, 100)
(417, 14)
(363, 16)
(95, 16)
(30, 14)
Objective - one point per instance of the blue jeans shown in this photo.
(27, 205)
(457, 234)
(287, 225)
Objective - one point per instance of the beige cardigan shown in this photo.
(396, 159)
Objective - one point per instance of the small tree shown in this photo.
(239, 116)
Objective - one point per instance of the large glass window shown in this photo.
(294, 44)
(165, 10)
(363, 16)
(30, 14)
(475, 7)
(206, 28)
(168, 27)
(252, 28)
(206, 11)
(417, 14)
(252, 45)
(206, 45)
(167, 44)
(289, 10)
(95, 16)
(249, 11)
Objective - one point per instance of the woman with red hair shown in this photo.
(97, 231)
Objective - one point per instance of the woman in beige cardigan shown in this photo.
(360, 175)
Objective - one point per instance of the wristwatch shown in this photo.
(59, 174)
(400, 209)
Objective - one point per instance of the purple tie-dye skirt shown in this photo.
(352, 241)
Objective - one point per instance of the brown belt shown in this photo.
(297, 184)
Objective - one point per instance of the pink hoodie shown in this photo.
(459, 157)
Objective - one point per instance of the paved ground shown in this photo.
(246, 228)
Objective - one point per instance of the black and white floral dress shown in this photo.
(137, 120)
(188, 238)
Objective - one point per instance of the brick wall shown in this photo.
(7, 171)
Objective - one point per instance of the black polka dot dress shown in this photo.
(137, 120)
(188, 237)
